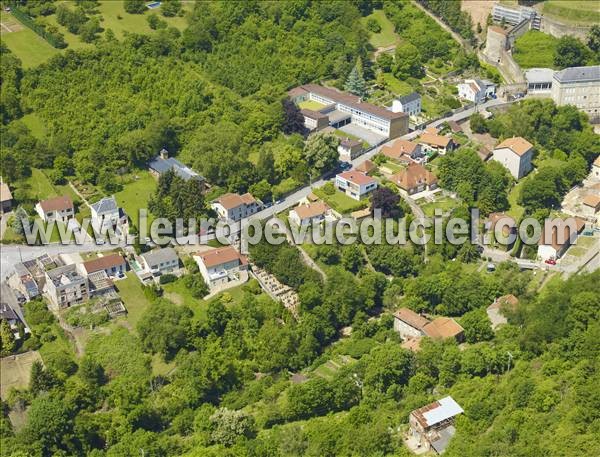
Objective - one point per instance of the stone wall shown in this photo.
(558, 29)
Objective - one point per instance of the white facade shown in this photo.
(518, 165)
(547, 252)
(355, 188)
(58, 215)
(406, 331)
(221, 266)
(233, 207)
(107, 215)
(475, 90)
(596, 170)
(410, 105)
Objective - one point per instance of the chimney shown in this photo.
(164, 154)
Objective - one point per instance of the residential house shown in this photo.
(366, 167)
(160, 261)
(314, 120)
(415, 178)
(349, 149)
(591, 205)
(106, 214)
(484, 153)
(476, 90)
(305, 214)
(442, 328)
(13, 320)
(355, 184)
(579, 86)
(432, 142)
(221, 266)
(409, 104)
(516, 155)
(412, 325)
(111, 264)
(235, 207)
(66, 287)
(403, 151)
(343, 108)
(409, 324)
(56, 209)
(5, 198)
(23, 281)
(162, 163)
(432, 426)
(495, 310)
(559, 239)
(596, 169)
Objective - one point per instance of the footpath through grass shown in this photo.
(386, 37)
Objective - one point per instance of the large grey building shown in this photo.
(579, 86)
(66, 287)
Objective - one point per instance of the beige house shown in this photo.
(234, 207)
(415, 178)
(305, 214)
(56, 209)
(349, 149)
(579, 86)
(221, 266)
(516, 155)
(596, 169)
(314, 120)
(555, 245)
(5, 198)
(591, 205)
(432, 142)
(403, 151)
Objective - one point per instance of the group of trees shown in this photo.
(452, 14)
(480, 184)
(78, 22)
(572, 52)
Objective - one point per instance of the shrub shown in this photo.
(167, 278)
(373, 25)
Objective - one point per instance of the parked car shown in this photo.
(551, 262)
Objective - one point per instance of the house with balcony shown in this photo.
(432, 426)
(160, 261)
(235, 207)
(65, 286)
(305, 214)
(355, 184)
(222, 266)
(56, 209)
(415, 178)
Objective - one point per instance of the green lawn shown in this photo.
(26, 44)
(135, 195)
(311, 104)
(396, 86)
(38, 184)
(444, 203)
(179, 294)
(516, 210)
(341, 134)
(387, 36)
(130, 291)
(340, 202)
(535, 49)
(35, 125)
(574, 11)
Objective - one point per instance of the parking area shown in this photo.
(366, 135)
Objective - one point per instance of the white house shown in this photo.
(57, 209)
(221, 266)
(111, 264)
(107, 214)
(432, 142)
(516, 155)
(560, 238)
(355, 184)
(596, 169)
(409, 104)
(304, 214)
(476, 90)
(234, 207)
(349, 149)
(160, 261)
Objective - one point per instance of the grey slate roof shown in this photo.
(106, 205)
(158, 256)
(578, 74)
(409, 98)
(6, 312)
(162, 165)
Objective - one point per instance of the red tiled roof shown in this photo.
(60, 203)
(442, 328)
(516, 144)
(357, 177)
(220, 256)
(230, 201)
(103, 263)
(411, 318)
(414, 175)
(366, 167)
(435, 139)
(399, 148)
(311, 210)
(506, 300)
(592, 200)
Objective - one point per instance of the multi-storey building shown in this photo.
(579, 86)
(234, 207)
(66, 287)
(343, 108)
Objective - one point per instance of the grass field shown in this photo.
(35, 125)
(396, 86)
(130, 291)
(387, 36)
(341, 202)
(135, 195)
(535, 49)
(25, 44)
(574, 11)
(311, 104)
(16, 371)
(444, 203)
